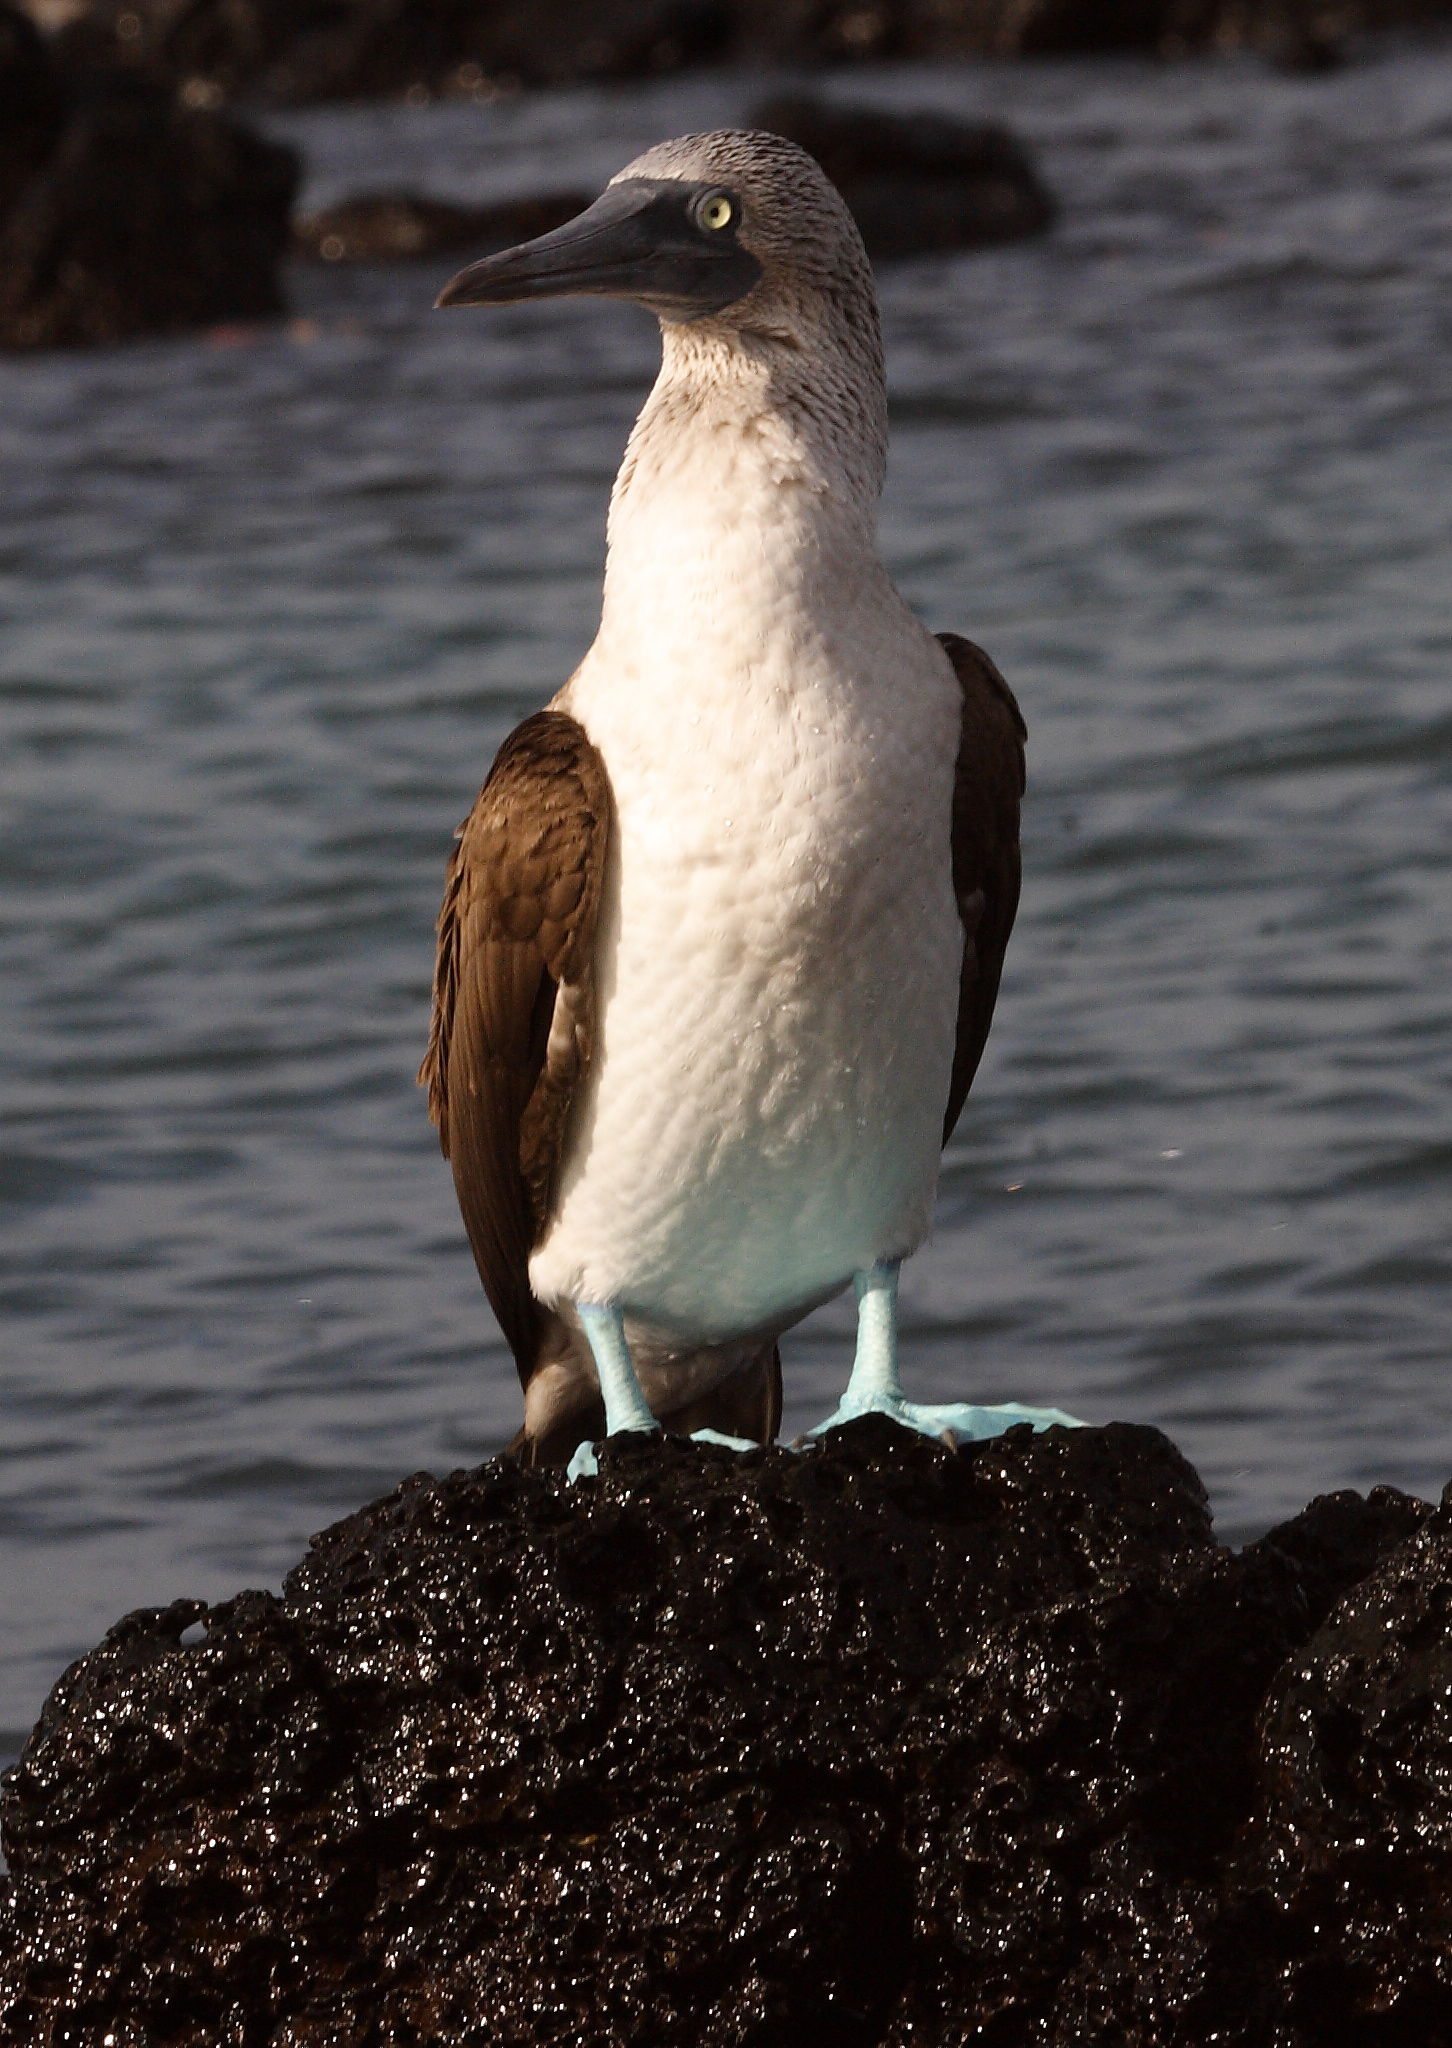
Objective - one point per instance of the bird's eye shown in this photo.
(716, 211)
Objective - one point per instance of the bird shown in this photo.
(721, 937)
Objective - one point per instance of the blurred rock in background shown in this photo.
(124, 211)
(131, 204)
(918, 181)
(32, 105)
(914, 181)
(300, 50)
(396, 227)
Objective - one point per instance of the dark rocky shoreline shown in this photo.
(131, 203)
(303, 50)
(880, 1744)
(134, 202)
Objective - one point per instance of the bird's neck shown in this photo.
(747, 500)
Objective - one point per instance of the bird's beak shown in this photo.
(638, 241)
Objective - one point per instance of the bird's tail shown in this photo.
(747, 1404)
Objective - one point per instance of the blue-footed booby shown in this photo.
(722, 935)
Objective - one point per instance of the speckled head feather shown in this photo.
(793, 219)
(746, 252)
(803, 347)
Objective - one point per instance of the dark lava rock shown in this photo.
(394, 227)
(918, 181)
(137, 215)
(1351, 1855)
(880, 1744)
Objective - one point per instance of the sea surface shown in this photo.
(269, 600)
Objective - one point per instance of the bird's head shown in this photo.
(738, 227)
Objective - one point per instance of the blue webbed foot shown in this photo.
(583, 1465)
(626, 1407)
(586, 1465)
(962, 1421)
(875, 1388)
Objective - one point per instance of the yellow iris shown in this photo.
(717, 212)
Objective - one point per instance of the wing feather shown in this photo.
(989, 784)
(513, 1025)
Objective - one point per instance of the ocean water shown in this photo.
(269, 600)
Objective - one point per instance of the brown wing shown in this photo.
(514, 1002)
(986, 796)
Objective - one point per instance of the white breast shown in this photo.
(780, 945)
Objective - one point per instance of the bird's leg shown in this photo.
(625, 1405)
(875, 1387)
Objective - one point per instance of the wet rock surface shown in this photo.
(125, 212)
(918, 181)
(878, 1744)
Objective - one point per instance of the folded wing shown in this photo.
(513, 1027)
(986, 795)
